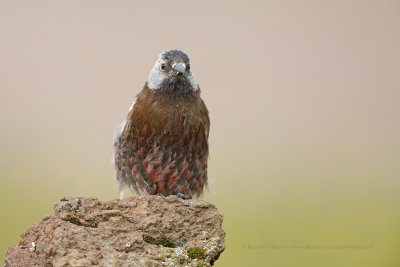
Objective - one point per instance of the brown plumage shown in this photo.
(163, 147)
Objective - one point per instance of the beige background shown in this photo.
(304, 103)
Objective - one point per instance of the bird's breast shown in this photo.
(175, 124)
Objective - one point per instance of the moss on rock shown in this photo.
(196, 253)
(162, 240)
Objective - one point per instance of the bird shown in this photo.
(162, 146)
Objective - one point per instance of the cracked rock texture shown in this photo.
(137, 231)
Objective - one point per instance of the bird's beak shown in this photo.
(179, 69)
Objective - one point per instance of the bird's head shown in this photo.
(172, 73)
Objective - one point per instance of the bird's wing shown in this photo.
(116, 157)
(133, 103)
(121, 127)
(118, 131)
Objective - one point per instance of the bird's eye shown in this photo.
(187, 67)
(162, 66)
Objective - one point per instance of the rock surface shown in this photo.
(138, 231)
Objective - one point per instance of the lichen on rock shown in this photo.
(138, 231)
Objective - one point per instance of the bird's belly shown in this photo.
(167, 161)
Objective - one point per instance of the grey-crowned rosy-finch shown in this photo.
(162, 147)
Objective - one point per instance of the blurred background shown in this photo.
(304, 100)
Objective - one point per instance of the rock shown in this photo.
(138, 231)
